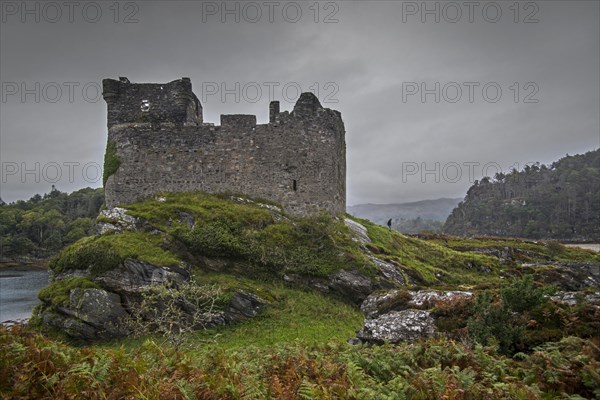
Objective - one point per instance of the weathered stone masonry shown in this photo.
(298, 159)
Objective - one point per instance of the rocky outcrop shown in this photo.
(359, 232)
(105, 313)
(573, 298)
(401, 315)
(90, 314)
(392, 273)
(429, 298)
(133, 276)
(351, 285)
(568, 276)
(244, 305)
(115, 219)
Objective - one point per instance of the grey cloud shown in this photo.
(368, 55)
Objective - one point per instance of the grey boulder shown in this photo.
(398, 326)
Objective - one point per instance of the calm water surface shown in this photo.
(19, 287)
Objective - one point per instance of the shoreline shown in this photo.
(586, 246)
(38, 264)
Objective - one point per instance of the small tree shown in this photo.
(500, 318)
(174, 310)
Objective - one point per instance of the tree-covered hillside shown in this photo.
(560, 201)
(42, 225)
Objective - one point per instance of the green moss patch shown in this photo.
(111, 161)
(57, 294)
(105, 253)
(247, 231)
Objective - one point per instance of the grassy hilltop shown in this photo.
(508, 342)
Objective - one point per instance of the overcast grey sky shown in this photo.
(433, 94)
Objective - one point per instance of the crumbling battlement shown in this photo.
(158, 139)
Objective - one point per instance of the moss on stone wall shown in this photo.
(111, 161)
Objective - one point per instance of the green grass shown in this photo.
(291, 315)
(430, 263)
(204, 207)
(267, 242)
(524, 250)
(257, 241)
(106, 252)
(294, 315)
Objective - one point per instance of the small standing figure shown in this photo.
(389, 224)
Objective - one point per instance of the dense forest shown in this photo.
(42, 225)
(560, 201)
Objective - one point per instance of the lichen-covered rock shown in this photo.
(428, 298)
(398, 326)
(71, 326)
(97, 307)
(572, 298)
(106, 312)
(90, 314)
(382, 302)
(116, 219)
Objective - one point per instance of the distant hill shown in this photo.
(560, 201)
(408, 217)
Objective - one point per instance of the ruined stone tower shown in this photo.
(157, 142)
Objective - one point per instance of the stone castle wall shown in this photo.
(298, 159)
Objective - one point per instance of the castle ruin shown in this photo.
(158, 142)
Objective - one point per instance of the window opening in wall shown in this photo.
(295, 185)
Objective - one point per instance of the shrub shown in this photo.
(96, 255)
(502, 318)
(522, 295)
(175, 311)
(492, 322)
(216, 239)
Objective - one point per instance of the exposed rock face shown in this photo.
(351, 285)
(359, 231)
(390, 272)
(430, 297)
(572, 298)
(134, 276)
(394, 315)
(382, 302)
(90, 314)
(244, 305)
(93, 314)
(398, 326)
